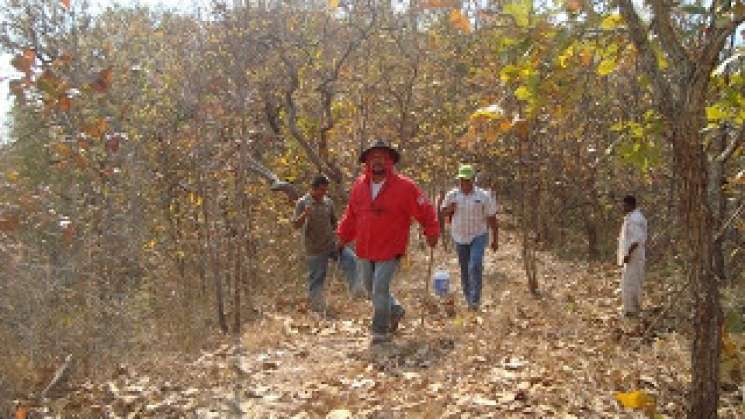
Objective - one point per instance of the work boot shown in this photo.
(396, 316)
(378, 338)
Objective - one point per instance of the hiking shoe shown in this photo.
(378, 338)
(396, 317)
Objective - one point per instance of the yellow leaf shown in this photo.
(661, 60)
(607, 66)
(565, 56)
(635, 400)
(523, 93)
(333, 4)
(196, 199)
(527, 72)
(520, 10)
(611, 22)
(459, 21)
(715, 113)
(508, 72)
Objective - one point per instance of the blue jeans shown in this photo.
(317, 266)
(377, 277)
(471, 260)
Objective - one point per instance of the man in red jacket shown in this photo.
(377, 218)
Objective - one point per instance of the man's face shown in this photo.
(319, 192)
(627, 207)
(466, 185)
(377, 159)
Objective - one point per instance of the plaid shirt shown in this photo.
(471, 212)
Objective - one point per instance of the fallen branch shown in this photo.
(58, 377)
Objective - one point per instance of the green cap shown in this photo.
(465, 171)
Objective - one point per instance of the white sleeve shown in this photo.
(491, 205)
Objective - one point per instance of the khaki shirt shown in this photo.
(319, 233)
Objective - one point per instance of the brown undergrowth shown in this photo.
(565, 353)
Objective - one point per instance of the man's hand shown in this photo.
(631, 250)
(339, 247)
(432, 241)
(300, 220)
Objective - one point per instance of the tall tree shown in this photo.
(693, 45)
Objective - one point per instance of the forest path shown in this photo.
(564, 354)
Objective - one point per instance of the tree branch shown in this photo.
(59, 376)
(639, 36)
(276, 184)
(294, 84)
(326, 87)
(667, 35)
(735, 144)
(709, 56)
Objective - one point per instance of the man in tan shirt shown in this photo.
(314, 212)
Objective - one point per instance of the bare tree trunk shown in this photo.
(214, 255)
(240, 236)
(237, 289)
(707, 316)
(528, 209)
(718, 202)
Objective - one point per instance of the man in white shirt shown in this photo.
(631, 256)
(472, 210)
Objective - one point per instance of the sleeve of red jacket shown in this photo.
(347, 229)
(425, 214)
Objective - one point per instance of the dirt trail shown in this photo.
(564, 354)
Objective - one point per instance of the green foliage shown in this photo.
(640, 147)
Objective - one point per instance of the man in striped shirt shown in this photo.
(472, 210)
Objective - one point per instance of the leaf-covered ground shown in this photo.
(564, 354)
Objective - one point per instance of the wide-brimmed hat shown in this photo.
(465, 171)
(382, 145)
